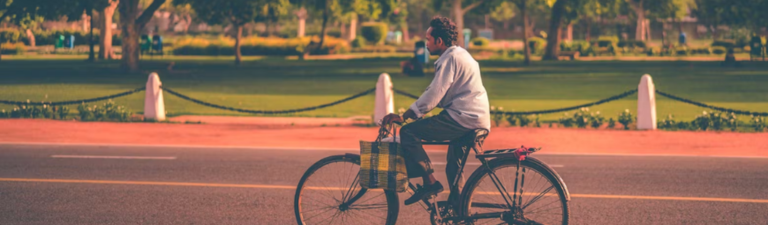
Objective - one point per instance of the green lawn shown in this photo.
(274, 83)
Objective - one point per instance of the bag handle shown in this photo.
(385, 131)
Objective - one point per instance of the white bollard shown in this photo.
(646, 104)
(385, 99)
(154, 108)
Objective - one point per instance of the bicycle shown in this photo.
(485, 197)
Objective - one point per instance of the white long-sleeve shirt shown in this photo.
(457, 88)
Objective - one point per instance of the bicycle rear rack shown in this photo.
(501, 153)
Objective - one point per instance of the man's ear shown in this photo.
(438, 41)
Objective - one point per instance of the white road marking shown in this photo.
(477, 164)
(291, 188)
(355, 150)
(113, 157)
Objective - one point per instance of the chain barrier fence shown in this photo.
(610, 99)
(73, 102)
(700, 104)
(369, 91)
(177, 94)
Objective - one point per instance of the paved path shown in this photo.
(71, 184)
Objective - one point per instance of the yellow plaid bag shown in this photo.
(382, 165)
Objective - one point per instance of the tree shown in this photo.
(555, 28)
(178, 13)
(236, 13)
(105, 42)
(270, 12)
(25, 12)
(503, 13)
(461, 7)
(133, 21)
(74, 9)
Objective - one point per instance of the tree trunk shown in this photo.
(343, 29)
(129, 11)
(171, 22)
(555, 31)
(30, 38)
(458, 14)
(238, 35)
(648, 30)
(326, 11)
(353, 28)
(569, 32)
(640, 12)
(105, 42)
(133, 22)
(406, 36)
(267, 31)
(91, 42)
(302, 14)
(589, 31)
(526, 46)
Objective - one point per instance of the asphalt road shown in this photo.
(67, 184)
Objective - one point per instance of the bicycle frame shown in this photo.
(455, 194)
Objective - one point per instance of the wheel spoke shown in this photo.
(538, 196)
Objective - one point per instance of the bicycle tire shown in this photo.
(393, 203)
(530, 163)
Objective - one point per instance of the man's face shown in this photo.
(432, 45)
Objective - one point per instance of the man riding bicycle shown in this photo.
(456, 88)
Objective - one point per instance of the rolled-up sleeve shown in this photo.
(444, 78)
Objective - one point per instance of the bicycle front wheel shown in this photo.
(541, 197)
(330, 193)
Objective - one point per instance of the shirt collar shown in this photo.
(449, 49)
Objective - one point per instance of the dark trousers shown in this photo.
(437, 128)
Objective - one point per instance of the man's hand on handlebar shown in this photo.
(395, 118)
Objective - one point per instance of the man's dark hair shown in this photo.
(444, 29)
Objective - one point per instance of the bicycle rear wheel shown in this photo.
(544, 195)
(329, 193)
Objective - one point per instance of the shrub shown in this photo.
(481, 42)
(611, 123)
(626, 118)
(724, 43)
(681, 51)
(358, 42)
(583, 47)
(374, 32)
(524, 120)
(13, 48)
(257, 46)
(566, 120)
(537, 45)
(719, 50)
(701, 51)
(757, 123)
(10, 35)
(631, 44)
(108, 111)
(653, 51)
(596, 120)
(498, 116)
(667, 123)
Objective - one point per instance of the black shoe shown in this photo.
(425, 192)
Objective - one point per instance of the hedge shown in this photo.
(481, 42)
(374, 32)
(13, 48)
(9, 35)
(537, 45)
(632, 44)
(256, 46)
